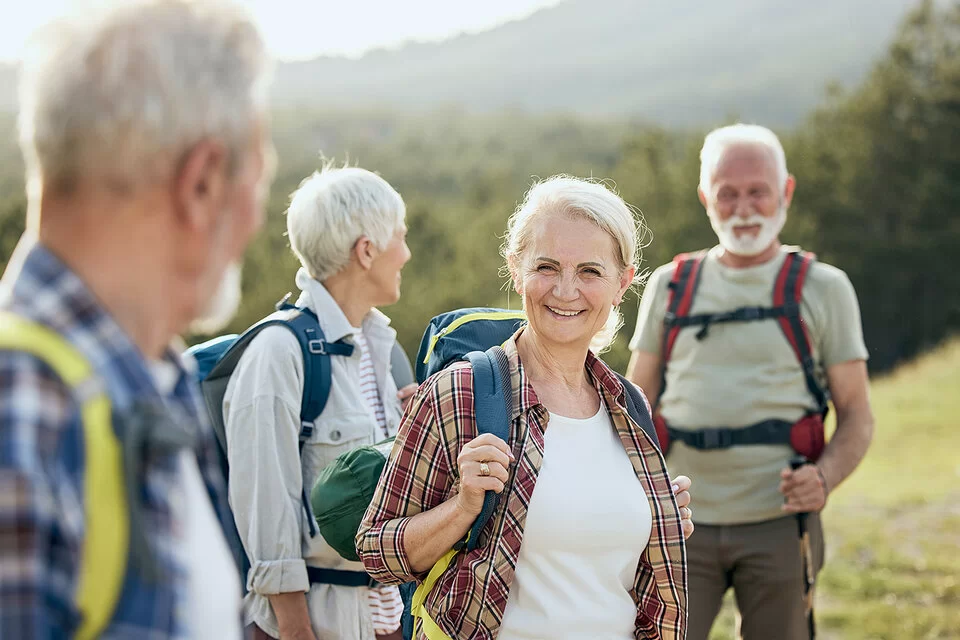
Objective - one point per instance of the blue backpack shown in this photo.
(476, 334)
(216, 361)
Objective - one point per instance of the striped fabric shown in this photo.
(469, 599)
(368, 383)
(386, 606)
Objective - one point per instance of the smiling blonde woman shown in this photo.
(597, 551)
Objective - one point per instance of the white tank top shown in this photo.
(587, 525)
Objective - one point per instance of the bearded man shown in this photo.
(741, 348)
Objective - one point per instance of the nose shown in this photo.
(565, 288)
(743, 208)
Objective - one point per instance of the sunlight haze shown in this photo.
(297, 30)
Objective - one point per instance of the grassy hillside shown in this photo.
(893, 529)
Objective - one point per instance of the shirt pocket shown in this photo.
(336, 435)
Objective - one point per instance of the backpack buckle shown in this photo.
(317, 346)
(715, 439)
(750, 314)
(306, 431)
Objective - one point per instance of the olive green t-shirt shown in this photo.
(743, 373)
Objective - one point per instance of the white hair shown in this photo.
(121, 94)
(589, 199)
(334, 208)
(719, 140)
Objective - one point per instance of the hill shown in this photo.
(678, 63)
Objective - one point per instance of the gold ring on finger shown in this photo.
(484, 469)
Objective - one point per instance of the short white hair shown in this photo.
(589, 199)
(719, 140)
(334, 208)
(121, 94)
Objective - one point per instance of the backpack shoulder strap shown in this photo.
(788, 294)
(316, 362)
(492, 405)
(683, 287)
(637, 408)
(103, 557)
(317, 376)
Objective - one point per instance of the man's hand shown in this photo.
(406, 393)
(681, 489)
(803, 489)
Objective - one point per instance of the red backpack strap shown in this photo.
(788, 294)
(683, 286)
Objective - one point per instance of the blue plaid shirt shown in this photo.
(42, 467)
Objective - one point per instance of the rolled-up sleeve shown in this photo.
(416, 478)
(261, 416)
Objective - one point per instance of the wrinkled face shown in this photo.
(242, 216)
(745, 206)
(386, 266)
(570, 280)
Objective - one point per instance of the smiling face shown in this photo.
(570, 279)
(746, 206)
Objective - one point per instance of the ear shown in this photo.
(200, 185)
(703, 198)
(365, 252)
(626, 279)
(788, 190)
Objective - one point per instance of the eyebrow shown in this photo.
(582, 264)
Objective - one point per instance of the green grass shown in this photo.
(893, 528)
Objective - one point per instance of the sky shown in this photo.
(298, 29)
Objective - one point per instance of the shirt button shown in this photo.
(335, 435)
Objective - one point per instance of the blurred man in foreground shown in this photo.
(147, 153)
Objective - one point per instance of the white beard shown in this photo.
(220, 309)
(746, 244)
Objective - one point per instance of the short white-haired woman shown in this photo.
(346, 225)
(597, 550)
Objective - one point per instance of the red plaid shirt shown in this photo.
(469, 599)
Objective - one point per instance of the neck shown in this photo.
(121, 264)
(349, 291)
(736, 261)
(562, 366)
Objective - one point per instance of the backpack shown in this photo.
(218, 358)
(105, 545)
(806, 436)
(343, 491)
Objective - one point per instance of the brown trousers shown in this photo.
(762, 563)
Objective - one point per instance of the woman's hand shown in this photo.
(406, 393)
(483, 464)
(681, 490)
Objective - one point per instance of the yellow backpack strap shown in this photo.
(103, 557)
(417, 608)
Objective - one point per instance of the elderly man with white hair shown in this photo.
(346, 225)
(741, 347)
(144, 134)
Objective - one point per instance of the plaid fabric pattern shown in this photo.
(42, 467)
(469, 599)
